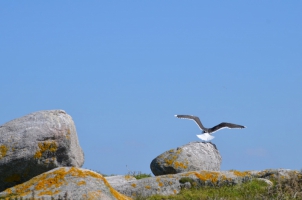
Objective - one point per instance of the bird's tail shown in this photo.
(206, 137)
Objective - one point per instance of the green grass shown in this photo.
(138, 175)
(283, 189)
(252, 190)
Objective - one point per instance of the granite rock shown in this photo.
(36, 143)
(65, 183)
(174, 183)
(193, 156)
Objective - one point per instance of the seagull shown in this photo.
(206, 134)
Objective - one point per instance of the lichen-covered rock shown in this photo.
(36, 143)
(65, 183)
(194, 156)
(173, 183)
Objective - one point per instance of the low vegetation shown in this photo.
(138, 175)
(283, 189)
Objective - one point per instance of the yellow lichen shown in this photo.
(45, 147)
(53, 181)
(3, 151)
(81, 183)
(171, 159)
(169, 162)
(127, 177)
(9, 191)
(174, 191)
(133, 185)
(206, 176)
(93, 195)
(179, 151)
(181, 165)
(160, 184)
(48, 192)
(241, 174)
(68, 134)
(148, 187)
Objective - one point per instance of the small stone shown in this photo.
(268, 182)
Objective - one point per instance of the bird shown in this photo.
(206, 132)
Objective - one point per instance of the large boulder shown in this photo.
(65, 183)
(36, 143)
(193, 156)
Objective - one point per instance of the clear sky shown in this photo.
(123, 69)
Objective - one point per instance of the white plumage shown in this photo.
(206, 137)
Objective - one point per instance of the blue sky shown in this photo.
(123, 69)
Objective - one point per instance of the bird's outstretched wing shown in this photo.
(224, 125)
(196, 119)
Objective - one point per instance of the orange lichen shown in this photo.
(13, 178)
(181, 165)
(81, 183)
(148, 187)
(241, 174)
(113, 191)
(179, 151)
(52, 181)
(160, 184)
(127, 177)
(48, 192)
(45, 147)
(170, 160)
(94, 195)
(9, 191)
(68, 134)
(133, 185)
(206, 176)
(3, 151)
(174, 191)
